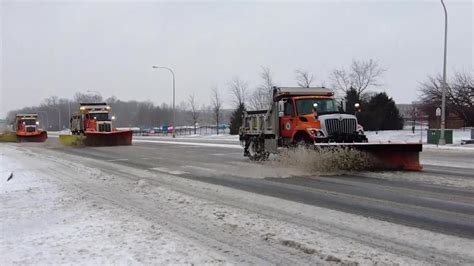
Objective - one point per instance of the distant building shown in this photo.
(411, 112)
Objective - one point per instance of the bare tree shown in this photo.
(262, 95)
(362, 74)
(193, 106)
(303, 78)
(239, 90)
(459, 95)
(216, 106)
(87, 98)
(341, 80)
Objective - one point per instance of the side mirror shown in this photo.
(315, 109)
(344, 103)
(281, 106)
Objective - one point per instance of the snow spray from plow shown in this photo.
(397, 156)
(332, 159)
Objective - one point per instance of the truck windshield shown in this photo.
(305, 106)
(29, 122)
(100, 116)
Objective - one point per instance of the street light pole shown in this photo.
(442, 140)
(174, 96)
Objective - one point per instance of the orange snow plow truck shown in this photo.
(311, 117)
(92, 126)
(27, 128)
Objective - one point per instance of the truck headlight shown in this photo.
(315, 133)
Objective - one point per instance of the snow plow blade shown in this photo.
(36, 137)
(397, 156)
(97, 139)
(114, 138)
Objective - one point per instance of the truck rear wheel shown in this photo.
(255, 150)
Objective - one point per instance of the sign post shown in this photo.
(438, 115)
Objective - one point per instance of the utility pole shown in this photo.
(442, 140)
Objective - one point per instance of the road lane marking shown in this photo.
(229, 153)
(217, 145)
(205, 169)
(117, 160)
(169, 171)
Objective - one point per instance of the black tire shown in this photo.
(255, 150)
(302, 141)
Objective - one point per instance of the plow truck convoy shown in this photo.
(311, 117)
(27, 128)
(92, 126)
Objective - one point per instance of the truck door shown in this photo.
(288, 120)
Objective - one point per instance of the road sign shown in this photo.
(438, 111)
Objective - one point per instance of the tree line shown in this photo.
(354, 84)
(55, 112)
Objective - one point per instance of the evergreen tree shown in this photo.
(351, 98)
(236, 119)
(380, 114)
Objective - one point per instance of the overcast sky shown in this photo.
(61, 47)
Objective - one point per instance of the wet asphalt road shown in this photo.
(428, 205)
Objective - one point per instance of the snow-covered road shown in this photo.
(47, 219)
(61, 208)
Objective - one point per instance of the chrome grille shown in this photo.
(104, 128)
(336, 126)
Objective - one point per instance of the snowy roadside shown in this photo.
(43, 222)
(75, 213)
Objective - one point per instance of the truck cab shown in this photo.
(297, 116)
(92, 117)
(26, 124)
(315, 119)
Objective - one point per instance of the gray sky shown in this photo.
(61, 47)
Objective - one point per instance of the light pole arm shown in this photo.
(174, 95)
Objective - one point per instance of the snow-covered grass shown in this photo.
(409, 136)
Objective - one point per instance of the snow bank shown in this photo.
(409, 136)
